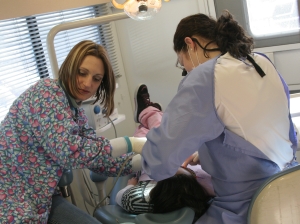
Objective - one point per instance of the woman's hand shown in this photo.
(137, 144)
(192, 160)
(132, 181)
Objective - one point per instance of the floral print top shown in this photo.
(39, 138)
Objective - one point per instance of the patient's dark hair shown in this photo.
(177, 192)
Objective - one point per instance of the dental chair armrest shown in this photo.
(100, 182)
(66, 179)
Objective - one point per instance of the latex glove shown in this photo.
(119, 146)
(137, 144)
(126, 144)
(192, 160)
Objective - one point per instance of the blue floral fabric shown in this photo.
(39, 138)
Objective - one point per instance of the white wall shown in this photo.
(287, 63)
(147, 50)
(286, 60)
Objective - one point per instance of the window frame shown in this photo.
(239, 10)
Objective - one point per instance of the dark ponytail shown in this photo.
(230, 37)
(225, 32)
(194, 25)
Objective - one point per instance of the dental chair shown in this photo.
(114, 214)
(277, 201)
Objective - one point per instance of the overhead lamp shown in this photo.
(139, 9)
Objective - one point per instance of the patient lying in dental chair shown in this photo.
(189, 187)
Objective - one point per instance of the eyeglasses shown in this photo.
(178, 65)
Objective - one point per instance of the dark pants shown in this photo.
(64, 212)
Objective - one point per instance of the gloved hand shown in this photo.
(137, 143)
(192, 160)
(126, 144)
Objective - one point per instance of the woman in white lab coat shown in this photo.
(232, 107)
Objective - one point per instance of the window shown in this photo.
(23, 52)
(272, 17)
(269, 22)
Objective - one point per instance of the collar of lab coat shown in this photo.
(71, 100)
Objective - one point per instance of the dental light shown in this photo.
(139, 9)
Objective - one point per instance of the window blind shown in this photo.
(23, 49)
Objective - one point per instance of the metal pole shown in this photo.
(72, 25)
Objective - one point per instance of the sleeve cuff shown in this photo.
(129, 145)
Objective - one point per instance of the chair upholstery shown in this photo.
(184, 215)
(112, 214)
(277, 200)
